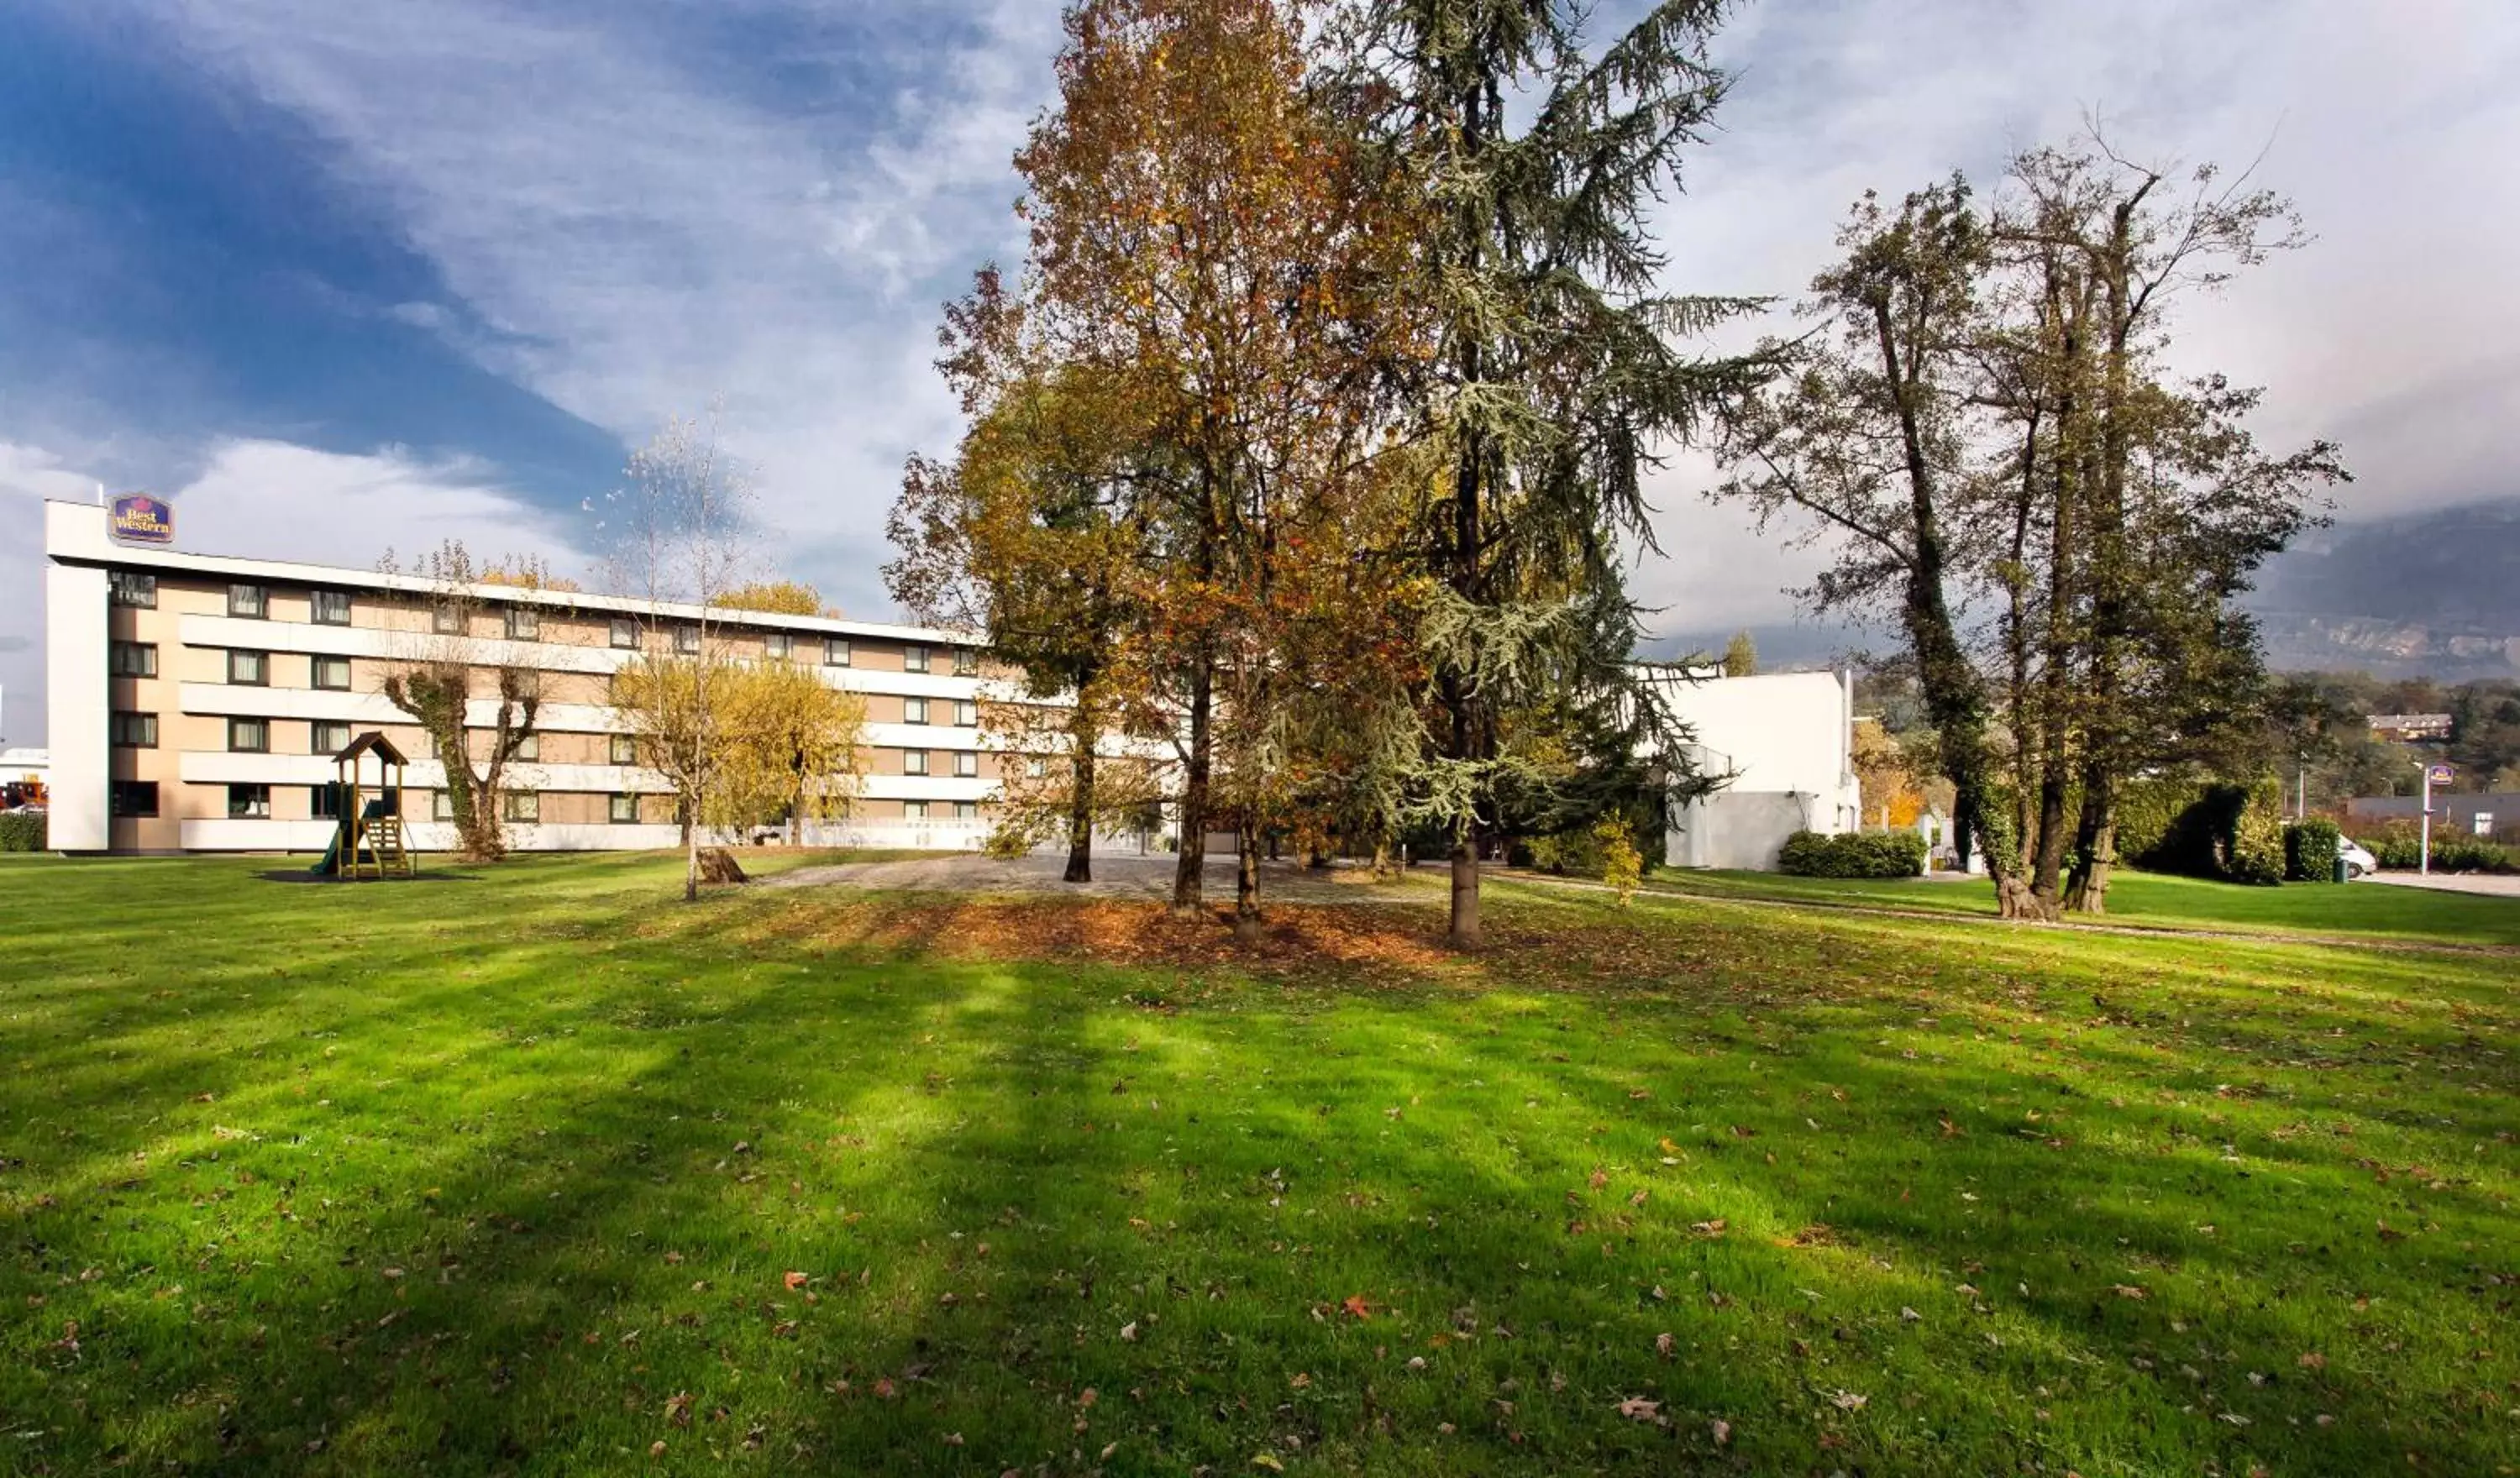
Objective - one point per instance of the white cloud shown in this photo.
(268, 500)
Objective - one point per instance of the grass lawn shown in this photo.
(534, 1170)
(2156, 900)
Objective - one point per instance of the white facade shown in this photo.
(20, 764)
(1781, 746)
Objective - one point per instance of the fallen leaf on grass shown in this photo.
(1714, 1228)
(1637, 1409)
(1269, 1461)
(2314, 1361)
(1128, 1332)
(2129, 1290)
(796, 1279)
(1355, 1304)
(1723, 1431)
(1663, 1345)
(1848, 1400)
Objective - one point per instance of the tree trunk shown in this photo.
(1464, 931)
(1080, 816)
(1190, 869)
(1246, 883)
(691, 863)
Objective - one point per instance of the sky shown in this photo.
(340, 276)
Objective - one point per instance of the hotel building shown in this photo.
(196, 701)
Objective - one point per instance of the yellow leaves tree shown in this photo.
(744, 744)
(787, 598)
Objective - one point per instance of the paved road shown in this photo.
(2497, 885)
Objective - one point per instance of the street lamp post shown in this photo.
(2434, 775)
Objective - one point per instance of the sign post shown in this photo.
(2434, 775)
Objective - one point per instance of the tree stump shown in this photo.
(718, 865)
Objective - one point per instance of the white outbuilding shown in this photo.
(1782, 747)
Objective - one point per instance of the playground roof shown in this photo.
(371, 740)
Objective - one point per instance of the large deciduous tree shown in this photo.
(437, 675)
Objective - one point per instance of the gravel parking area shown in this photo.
(2491, 884)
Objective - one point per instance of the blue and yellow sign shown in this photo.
(138, 519)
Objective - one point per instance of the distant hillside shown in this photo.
(2433, 594)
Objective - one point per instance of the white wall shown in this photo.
(1784, 744)
(77, 702)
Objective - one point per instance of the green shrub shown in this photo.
(23, 834)
(2256, 854)
(2310, 851)
(1622, 866)
(2398, 847)
(1857, 854)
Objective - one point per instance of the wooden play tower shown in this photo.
(370, 842)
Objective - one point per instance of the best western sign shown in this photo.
(138, 519)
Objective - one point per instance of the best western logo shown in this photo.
(137, 518)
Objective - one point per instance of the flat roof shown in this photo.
(104, 553)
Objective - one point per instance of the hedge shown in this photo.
(2204, 829)
(2400, 849)
(2310, 851)
(1857, 854)
(23, 834)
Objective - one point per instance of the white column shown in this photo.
(77, 702)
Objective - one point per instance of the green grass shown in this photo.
(509, 1173)
(2153, 900)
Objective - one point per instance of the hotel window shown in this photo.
(332, 607)
(135, 731)
(323, 803)
(333, 674)
(132, 660)
(2483, 823)
(624, 810)
(913, 810)
(521, 806)
(1035, 768)
(328, 738)
(129, 587)
(687, 640)
(250, 668)
(446, 619)
(914, 710)
(836, 651)
(249, 736)
(966, 810)
(249, 802)
(778, 645)
(966, 661)
(133, 797)
(441, 806)
(251, 601)
(529, 747)
(967, 713)
(914, 658)
(967, 765)
(524, 624)
(625, 749)
(913, 762)
(625, 633)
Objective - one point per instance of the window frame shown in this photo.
(249, 790)
(446, 619)
(836, 653)
(132, 588)
(913, 810)
(315, 665)
(261, 604)
(522, 623)
(914, 710)
(316, 601)
(263, 670)
(778, 645)
(315, 735)
(319, 803)
(614, 808)
(966, 810)
(623, 749)
(966, 764)
(917, 656)
(114, 651)
(529, 747)
(117, 790)
(116, 724)
(235, 749)
(967, 713)
(919, 755)
(966, 661)
(520, 808)
(687, 641)
(625, 634)
(442, 805)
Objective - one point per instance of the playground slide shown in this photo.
(330, 864)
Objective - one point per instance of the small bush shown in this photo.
(2310, 851)
(23, 834)
(1622, 866)
(2256, 854)
(2398, 848)
(1857, 854)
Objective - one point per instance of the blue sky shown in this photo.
(343, 274)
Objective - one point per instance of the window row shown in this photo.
(139, 588)
(137, 799)
(967, 763)
(966, 712)
(918, 810)
(252, 669)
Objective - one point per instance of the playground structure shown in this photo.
(368, 835)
